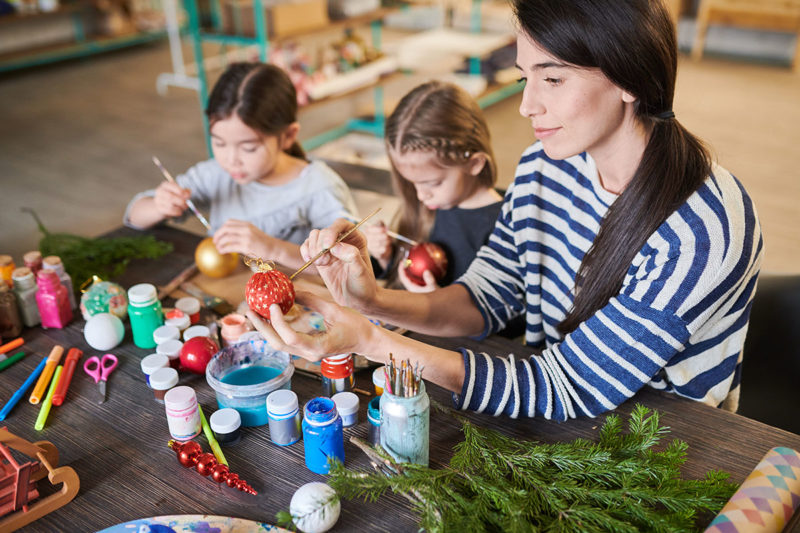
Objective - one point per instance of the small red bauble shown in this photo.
(219, 473)
(188, 453)
(204, 463)
(232, 479)
(196, 353)
(269, 286)
(425, 256)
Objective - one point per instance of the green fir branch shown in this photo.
(493, 482)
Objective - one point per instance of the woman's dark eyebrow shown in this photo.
(546, 64)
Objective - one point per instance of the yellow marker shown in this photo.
(44, 379)
(212, 441)
(48, 401)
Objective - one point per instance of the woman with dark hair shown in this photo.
(263, 195)
(632, 256)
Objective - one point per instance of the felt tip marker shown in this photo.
(7, 347)
(44, 410)
(66, 375)
(44, 379)
(17, 396)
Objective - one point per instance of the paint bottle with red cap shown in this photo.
(337, 374)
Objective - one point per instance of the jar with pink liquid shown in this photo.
(52, 300)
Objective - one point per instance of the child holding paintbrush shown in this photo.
(444, 171)
(264, 197)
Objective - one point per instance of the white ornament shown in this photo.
(315, 507)
(103, 331)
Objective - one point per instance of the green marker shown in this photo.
(11, 360)
(48, 400)
(212, 441)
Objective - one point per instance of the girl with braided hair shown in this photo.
(444, 171)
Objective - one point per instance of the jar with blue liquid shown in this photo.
(374, 419)
(405, 426)
(323, 435)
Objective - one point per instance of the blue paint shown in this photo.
(251, 375)
(323, 435)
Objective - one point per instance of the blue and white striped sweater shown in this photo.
(678, 323)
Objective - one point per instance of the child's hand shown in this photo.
(427, 277)
(379, 244)
(238, 236)
(170, 199)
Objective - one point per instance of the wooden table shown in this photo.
(118, 449)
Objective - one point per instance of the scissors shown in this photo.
(100, 369)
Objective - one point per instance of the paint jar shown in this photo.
(172, 349)
(165, 333)
(405, 424)
(53, 262)
(178, 319)
(10, 322)
(322, 434)
(161, 381)
(337, 374)
(33, 260)
(153, 362)
(52, 300)
(145, 313)
(226, 424)
(244, 374)
(374, 419)
(379, 379)
(190, 307)
(196, 331)
(233, 326)
(183, 417)
(284, 417)
(25, 290)
(7, 267)
(347, 404)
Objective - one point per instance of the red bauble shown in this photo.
(188, 452)
(204, 463)
(425, 256)
(219, 473)
(269, 286)
(196, 353)
(231, 480)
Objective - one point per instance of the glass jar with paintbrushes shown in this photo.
(405, 413)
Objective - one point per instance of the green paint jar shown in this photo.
(405, 423)
(145, 313)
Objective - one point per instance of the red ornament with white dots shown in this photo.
(269, 286)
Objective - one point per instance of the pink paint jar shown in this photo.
(52, 300)
(191, 307)
(33, 260)
(232, 327)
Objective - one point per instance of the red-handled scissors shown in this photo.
(100, 369)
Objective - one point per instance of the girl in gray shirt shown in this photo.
(263, 196)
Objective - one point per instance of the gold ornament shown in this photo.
(212, 263)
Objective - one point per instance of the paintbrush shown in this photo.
(340, 239)
(189, 202)
(218, 305)
(389, 232)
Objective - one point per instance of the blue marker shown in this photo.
(21, 392)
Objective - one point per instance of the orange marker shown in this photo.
(66, 376)
(7, 347)
(44, 379)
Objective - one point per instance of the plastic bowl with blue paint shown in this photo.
(243, 375)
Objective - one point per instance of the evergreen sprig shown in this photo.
(104, 257)
(498, 483)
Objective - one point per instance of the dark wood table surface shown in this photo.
(118, 448)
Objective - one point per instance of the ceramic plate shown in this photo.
(195, 523)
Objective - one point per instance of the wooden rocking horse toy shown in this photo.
(18, 481)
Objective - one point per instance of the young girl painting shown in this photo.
(263, 195)
(444, 171)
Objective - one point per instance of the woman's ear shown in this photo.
(628, 98)
(289, 135)
(476, 162)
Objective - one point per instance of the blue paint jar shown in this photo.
(322, 434)
(284, 417)
(374, 418)
(405, 426)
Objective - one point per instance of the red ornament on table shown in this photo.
(425, 256)
(268, 286)
(196, 353)
(190, 454)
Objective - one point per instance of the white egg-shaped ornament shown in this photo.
(103, 331)
(315, 507)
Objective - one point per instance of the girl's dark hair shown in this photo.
(443, 118)
(261, 95)
(633, 43)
